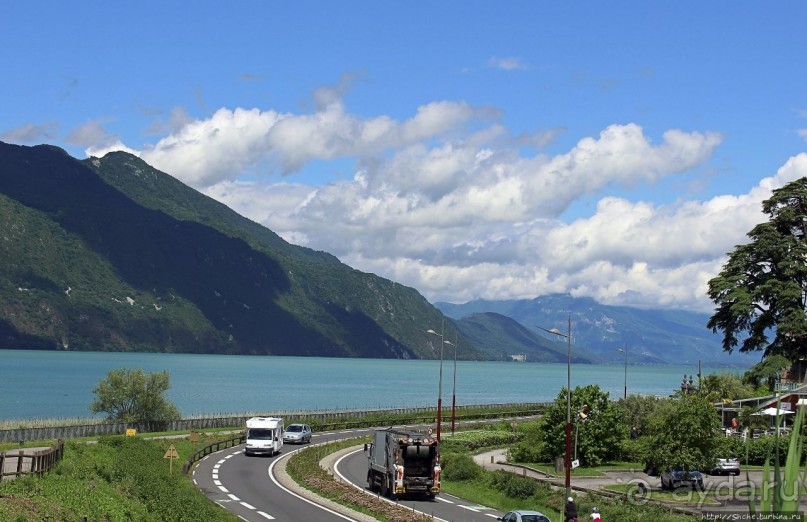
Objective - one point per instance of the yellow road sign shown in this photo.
(171, 453)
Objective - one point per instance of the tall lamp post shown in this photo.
(626, 367)
(440, 385)
(454, 391)
(568, 463)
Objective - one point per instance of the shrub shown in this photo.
(512, 485)
(458, 467)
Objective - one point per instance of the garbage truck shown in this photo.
(403, 463)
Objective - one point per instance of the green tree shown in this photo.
(134, 396)
(762, 289)
(637, 410)
(599, 434)
(720, 387)
(682, 434)
(766, 372)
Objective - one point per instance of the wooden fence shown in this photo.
(14, 463)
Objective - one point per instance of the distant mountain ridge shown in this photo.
(112, 254)
(599, 331)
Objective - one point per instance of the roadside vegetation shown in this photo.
(117, 479)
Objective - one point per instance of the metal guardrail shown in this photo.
(224, 444)
(236, 421)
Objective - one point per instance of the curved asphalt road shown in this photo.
(353, 468)
(247, 487)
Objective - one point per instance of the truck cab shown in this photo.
(264, 436)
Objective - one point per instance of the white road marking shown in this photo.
(443, 500)
(336, 470)
(223, 489)
(270, 517)
(234, 497)
(470, 508)
(247, 505)
(278, 484)
(217, 482)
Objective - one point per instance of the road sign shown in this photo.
(575, 464)
(171, 454)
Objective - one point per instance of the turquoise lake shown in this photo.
(50, 384)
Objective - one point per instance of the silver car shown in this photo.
(524, 516)
(726, 466)
(297, 434)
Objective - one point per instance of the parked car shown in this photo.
(726, 466)
(524, 516)
(297, 434)
(678, 478)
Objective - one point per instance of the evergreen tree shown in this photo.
(762, 290)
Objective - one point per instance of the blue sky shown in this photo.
(467, 149)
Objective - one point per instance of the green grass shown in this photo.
(118, 479)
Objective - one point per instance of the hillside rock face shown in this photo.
(111, 254)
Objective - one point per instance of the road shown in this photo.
(249, 488)
(353, 468)
(253, 487)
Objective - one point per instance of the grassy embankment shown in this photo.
(117, 479)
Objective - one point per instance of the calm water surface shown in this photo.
(44, 384)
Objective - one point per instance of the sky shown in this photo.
(468, 149)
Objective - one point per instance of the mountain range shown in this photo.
(600, 333)
(112, 254)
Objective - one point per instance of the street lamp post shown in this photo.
(568, 462)
(440, 385)
(626, 368)
(454, 391)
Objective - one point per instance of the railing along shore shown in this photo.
(19, 435)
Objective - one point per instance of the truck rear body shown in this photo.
(401, 463)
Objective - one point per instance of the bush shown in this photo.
(470, 441)
(512, 485)
(458, 467)
(527, 452)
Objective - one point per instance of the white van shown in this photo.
(264, 436)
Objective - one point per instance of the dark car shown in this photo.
(297, 434)
(679, 478)
(524, 516)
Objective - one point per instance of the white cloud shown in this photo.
(30, 134)
(507, 64)
(205, 152)
(447, 202)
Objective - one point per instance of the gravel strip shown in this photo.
(327, 464)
